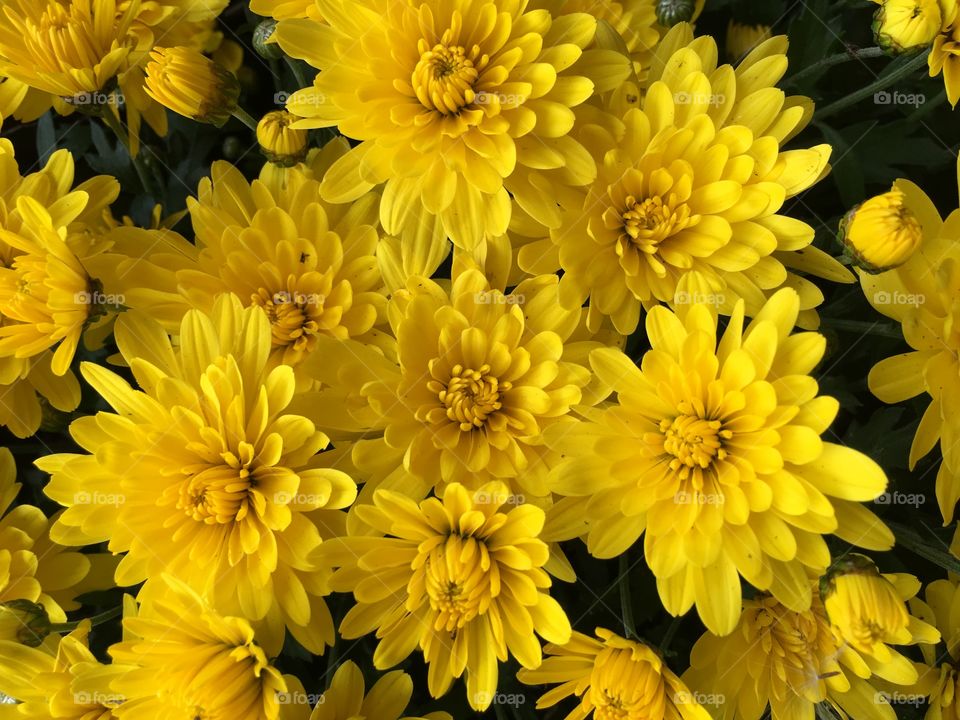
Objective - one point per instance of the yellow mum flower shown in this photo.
(458, 106)
(192, 85)
(238, 498)
(791, 661)
(882, 232)
(308, 265)
(742, 38)
(865, 609)
(901, 25)
(57, 680)
(939, 682)
(346, 698)
(920, 295)
(713, 451)
(180, 658)
(478, 375)
(615, 678)
(461, 579)
(685, 205)
(285, 9)
(945, 54)
(65, 48)
(281, 143)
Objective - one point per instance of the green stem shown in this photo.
(912, 541)
(113, 122)
(876, 86)
(920, 113)
(863, 327)
(297, 71)
(242, 115)
(829, 62)
(626, 601)
(104, 617)
(668, 636)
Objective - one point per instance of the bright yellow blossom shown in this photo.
(901, 25)
(281, 143)
(882, 232)
(461, 579)
(713, 453)
(191, 84)
(945, 54)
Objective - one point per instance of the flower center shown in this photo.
(693, 442)
(458, 581)
(625, 688)
(647, 223)
(220, 493)
(445, 77)
(293, 317)
(470, 396)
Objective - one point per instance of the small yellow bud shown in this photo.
(282, 144)
(191, 84)
(881, 233)
(741, 38)
(24, 622)
(901, 25)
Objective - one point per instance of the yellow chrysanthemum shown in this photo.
(458, 106)
(461, 579)
(685, 205)
(286, 9)
(713, 451)
(615, 678)
(181, 659)
(477, 377)
(307, 264)
(57, 680)
(882, 232)
(939, 681)
(65, 48)
(281, 143)
(945, 54)
(237, 499)
(791, 661)
(347, 699)
(901, 25)
(192, 85)
(742, 38)
(921, 296)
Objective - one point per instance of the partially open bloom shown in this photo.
(901, 25)
(939, 681)
(461, 579)
(742, 38)
(865, 609)
(882, 232)
(790, 661)
(614, 678)
(181, 658)
(237, 496)
(66, 49)
(945, 54)
(281, 143)
(713, 453)
(309, 266)
(457, 106)
(347, 698)
(191, 84)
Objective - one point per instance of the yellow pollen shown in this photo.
(445, 77)
(470, 396)
(294, 316)
(694, 442)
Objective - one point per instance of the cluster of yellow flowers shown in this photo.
(302, 405)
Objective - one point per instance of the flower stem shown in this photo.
(297, 71)
(912, 541)
(113, 122)
(879, 84)
(626, 600)
(829, 62)
(104, 617)
(863, 327)
(668, 635)
(242, 115)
